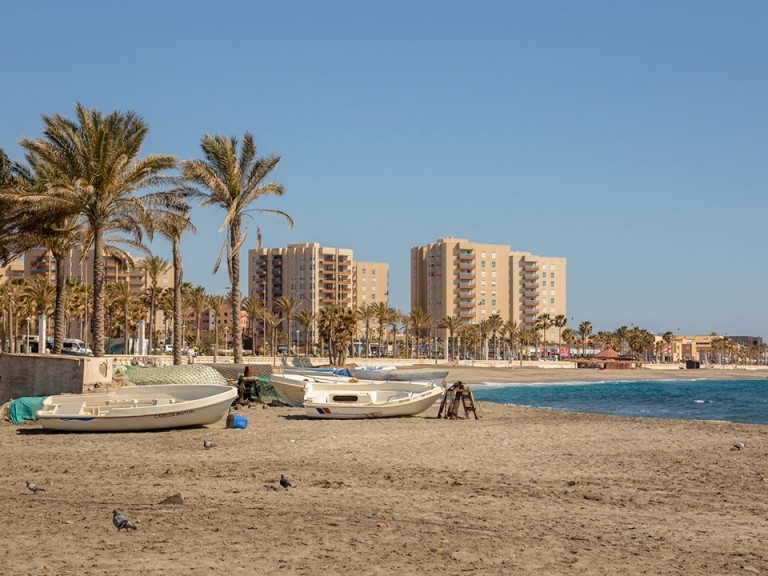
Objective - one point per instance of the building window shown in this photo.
(551, 300)
(552, 283)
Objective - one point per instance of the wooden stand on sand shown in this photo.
(459, 394)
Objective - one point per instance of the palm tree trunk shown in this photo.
(177, 308)
(59, 317)
(237, 329)
(98, 290)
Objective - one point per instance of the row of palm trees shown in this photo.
(334, 329)
(84, 184)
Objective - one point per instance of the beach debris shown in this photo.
(207, 444)
(175, 498)
(34, 488)
(121, 521)
(284, 482)
(738, 446)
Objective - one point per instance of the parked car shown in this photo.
(168, 349)
(76, 347)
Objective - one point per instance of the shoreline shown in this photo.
(530, 375)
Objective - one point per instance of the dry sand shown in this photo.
(519, 491)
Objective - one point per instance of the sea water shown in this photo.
(743, 401)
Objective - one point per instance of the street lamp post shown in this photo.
(226, 339)
(297, 342)
(264, 317)
(27, 347)
(215, 338)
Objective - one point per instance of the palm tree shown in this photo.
(336, 325)
(495, 323)
(254, 308)
(394, 318)
(172, 224)
(216, 305)
(286, 306)
(366, 313)
(124, 298)
(450, 323)
(585, 329)
(154, 267)
(667, 337)
(273, 321)
(97, 173)
(421, 322)
(569, 337)
(543, 323)
(233, 183)
(382, 313)
(306, 318)
(40, 296)
(31, 222)
(197, 300)
(511, 333)
(560, 322)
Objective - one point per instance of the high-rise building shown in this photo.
(315, 277)
(471, 282)
(38, 262)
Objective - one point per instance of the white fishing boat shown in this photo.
(289, 386)
(138, 408)
(378, 401)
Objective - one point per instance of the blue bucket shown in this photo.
(236, 421)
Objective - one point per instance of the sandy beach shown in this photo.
(519, 491)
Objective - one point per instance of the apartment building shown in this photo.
(38, 262)
(472, 281)
(315, 277)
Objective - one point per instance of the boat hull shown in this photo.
(348, 405)
(138, 408)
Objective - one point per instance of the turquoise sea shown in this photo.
(743, 401)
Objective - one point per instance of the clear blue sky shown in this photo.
(629, 137)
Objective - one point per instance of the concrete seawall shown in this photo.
(46, 374)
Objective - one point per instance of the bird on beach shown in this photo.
(34, 488)
(121, 521)
(207, 444)
(738, 446)
(284, 482)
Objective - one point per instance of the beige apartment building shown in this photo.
(315, 277)
(471, 281)
(80, 269)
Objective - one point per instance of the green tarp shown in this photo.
(23, 409)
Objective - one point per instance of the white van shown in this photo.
(74, 346)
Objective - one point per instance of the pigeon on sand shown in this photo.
(207, 444)
(121, 521)
(738, 446)
(284, 482)
(34, 487)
